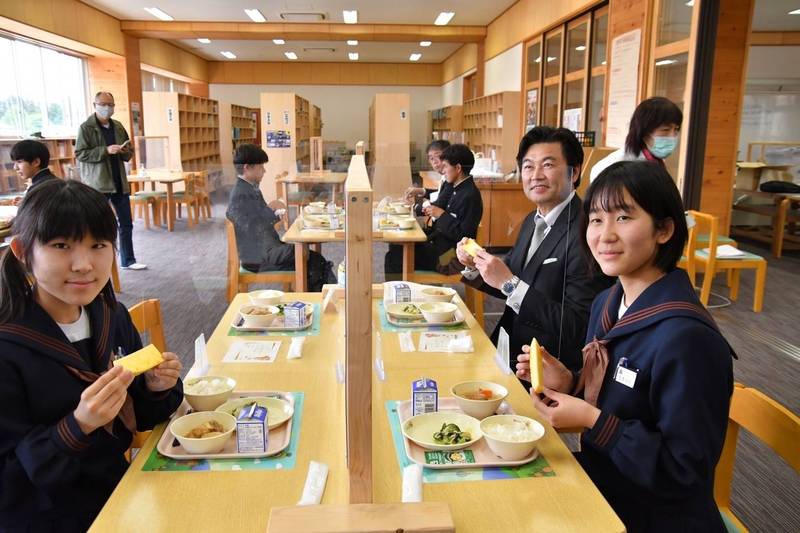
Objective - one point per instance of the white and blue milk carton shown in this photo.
(294, 315)
(252, 430)
(402, 293)
(424, 396)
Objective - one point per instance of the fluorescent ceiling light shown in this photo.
(415, 56)
(580, 48)
(795, 12)
(353, 56)
(690, 3)
(425, 43)
(443, 18)
(157, 13)
(350, 16)
(352, 42)
(255, 15)
(538, 59)
(665, 62)
(278, 41)
(204, 40)
(229, 55)
(290, 55)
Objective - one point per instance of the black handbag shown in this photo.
(785, 187)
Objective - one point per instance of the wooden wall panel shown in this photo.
(169, 57)
(110, 74)
(725, 109)
(462, 60)
(276, 73)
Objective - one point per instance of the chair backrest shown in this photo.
(705, 224)
(201, 182)
(233, 252)
(772, 423)
(146, 318)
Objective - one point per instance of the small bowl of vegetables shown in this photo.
(443, 430)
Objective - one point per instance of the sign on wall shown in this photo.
(623, 86)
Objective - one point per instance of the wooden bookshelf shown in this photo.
(493, 122)
(237, 125)
(192, 125)
(316, 121)
(389, 144)
(447, 120)
(62, 157)
(286, 130)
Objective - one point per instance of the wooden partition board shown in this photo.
(389, 143)
(358, 330)
(424, 517)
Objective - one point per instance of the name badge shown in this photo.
(625, 375)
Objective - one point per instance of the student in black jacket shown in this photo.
(30, 161)
(259, 245)
(68, 416)
(458, 219)
(545, 279)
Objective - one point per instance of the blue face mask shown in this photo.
(663, 146)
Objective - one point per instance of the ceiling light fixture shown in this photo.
(204, 40)
(352, 42)
(290, 55)
(229, 55)
(795, 12)
(353, 56)
(550, 59)
(425, 44)
(157, 13)
(580, 48)
(664, 62)
(255, 15)
(415, 56)
(350, 16)
(278, 41)
(443, 18)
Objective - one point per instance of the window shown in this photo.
(41, 90)
(156, 82)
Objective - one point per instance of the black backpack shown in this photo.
(785, 187)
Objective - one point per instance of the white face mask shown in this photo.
(104, 111)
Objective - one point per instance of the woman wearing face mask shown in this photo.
(652, 136)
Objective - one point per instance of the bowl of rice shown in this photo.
(208, 392)
(511, 437)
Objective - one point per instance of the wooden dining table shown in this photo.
(168, 178)
(233, 501)
(303, 238)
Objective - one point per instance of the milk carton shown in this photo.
(424, 396)
(402, 293)
(252, 429)
(294, 315)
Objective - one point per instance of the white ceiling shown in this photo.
(773, 15)
(468, 12)
(368, 51)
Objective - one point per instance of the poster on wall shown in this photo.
(571, 119)
(279, 139)
(530, 109)
(623, 86)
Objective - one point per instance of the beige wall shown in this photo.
(163, 55)
(325, 73)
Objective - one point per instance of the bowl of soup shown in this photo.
(438, 294)
(479, 399)
(206, 393)
(258, 316)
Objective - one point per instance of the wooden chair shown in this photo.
(146, 317)
(770, 422)
(239, 279)
(186, 197)
(202, 197)
(143, 201)
(115, 275)
(697, 257)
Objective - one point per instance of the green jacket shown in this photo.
(94, 160)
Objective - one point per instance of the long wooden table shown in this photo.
(302, 238)
(567, 502)
(169, 178)
(241, 501)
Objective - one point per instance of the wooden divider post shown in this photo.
(358, 329)
(316, 164)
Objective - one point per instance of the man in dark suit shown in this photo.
(545, 279)
(259, 245)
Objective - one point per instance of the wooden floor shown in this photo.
(187, 273)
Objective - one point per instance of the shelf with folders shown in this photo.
(492, 123)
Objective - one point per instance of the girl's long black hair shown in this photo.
(52, 209)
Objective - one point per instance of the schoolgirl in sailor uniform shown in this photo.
(655, 389)
(67, 415)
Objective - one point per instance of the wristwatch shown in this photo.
(508, 287)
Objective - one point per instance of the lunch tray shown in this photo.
(277, 324)
(420, 322)
(278, 439)
(484, 456)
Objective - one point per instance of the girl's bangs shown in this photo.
(608, 196)
(75, 213)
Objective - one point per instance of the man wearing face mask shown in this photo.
(545, 278)
(102, 148)
(652, 136)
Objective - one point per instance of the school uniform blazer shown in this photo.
(254, 223)
(445, 191)
(462, 217)
(653, 451)
(52, 476)
(558, 271)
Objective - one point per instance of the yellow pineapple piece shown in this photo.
(537, 373)
(141, 361)
(472, 247)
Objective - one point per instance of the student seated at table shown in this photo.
(260, 248)
(457, 219)
(423, 198)
(68, 415)
(657, 377)
(30, 161)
